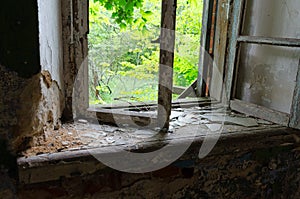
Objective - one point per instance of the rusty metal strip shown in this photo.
(270, 41)
(213, 27)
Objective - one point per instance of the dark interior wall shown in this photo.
(29, 97)
(19, 57)
(19, 39)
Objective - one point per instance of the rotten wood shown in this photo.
(233, 45)
(142, 105)
(220, 44)
(295, 109)
(189, 91)
(289, 42)
(203, 66)
(137, 115)
(154, 106)
(260, 112)
(213, 27)
(178, 89)
(64, 164)
(166, 60)
(210, 64)
(203, 42)
(122, 117)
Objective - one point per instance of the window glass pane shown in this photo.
(266, 75)
(272, 18)
(123, 60)
(187, 44)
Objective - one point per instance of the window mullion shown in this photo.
(166, 62)
(233, 45)
(289, 42)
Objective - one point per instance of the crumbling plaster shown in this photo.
(41, 99)
(28, 106)
(40, 108)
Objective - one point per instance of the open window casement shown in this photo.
(262, 76)
(209, 85)
(213, 49)
(249, 59)
(160, 112)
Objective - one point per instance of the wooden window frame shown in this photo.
(128, 113)
(235, 40)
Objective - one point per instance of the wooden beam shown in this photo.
(289, 42)
(237, 12)
(144, 105)
(204, 49)
(166, 60)
(134, 117)
(189, 91)
(178, 89)
(295, 110)
(121, 117)
(260, 112)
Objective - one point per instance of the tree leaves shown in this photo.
(123, 60)
(122, 10)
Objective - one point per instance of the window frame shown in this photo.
(232, 62)
(104, 113)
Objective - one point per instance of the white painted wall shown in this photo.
(50, 36)
(267, 74)
(273, 18)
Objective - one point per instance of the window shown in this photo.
(262, 77)
(166, 62)
(228, 41)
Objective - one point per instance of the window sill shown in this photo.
(79, 162)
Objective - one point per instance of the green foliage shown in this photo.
(123, 63)
(123, 10)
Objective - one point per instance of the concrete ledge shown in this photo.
(49, 167)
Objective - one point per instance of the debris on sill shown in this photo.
(84, 135)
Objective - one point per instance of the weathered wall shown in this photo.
(31, 70)
(18, 58)
(39, 108)
(29, 98)
(267, 74)
(50, 37)
(27, 106)
(19, 37)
